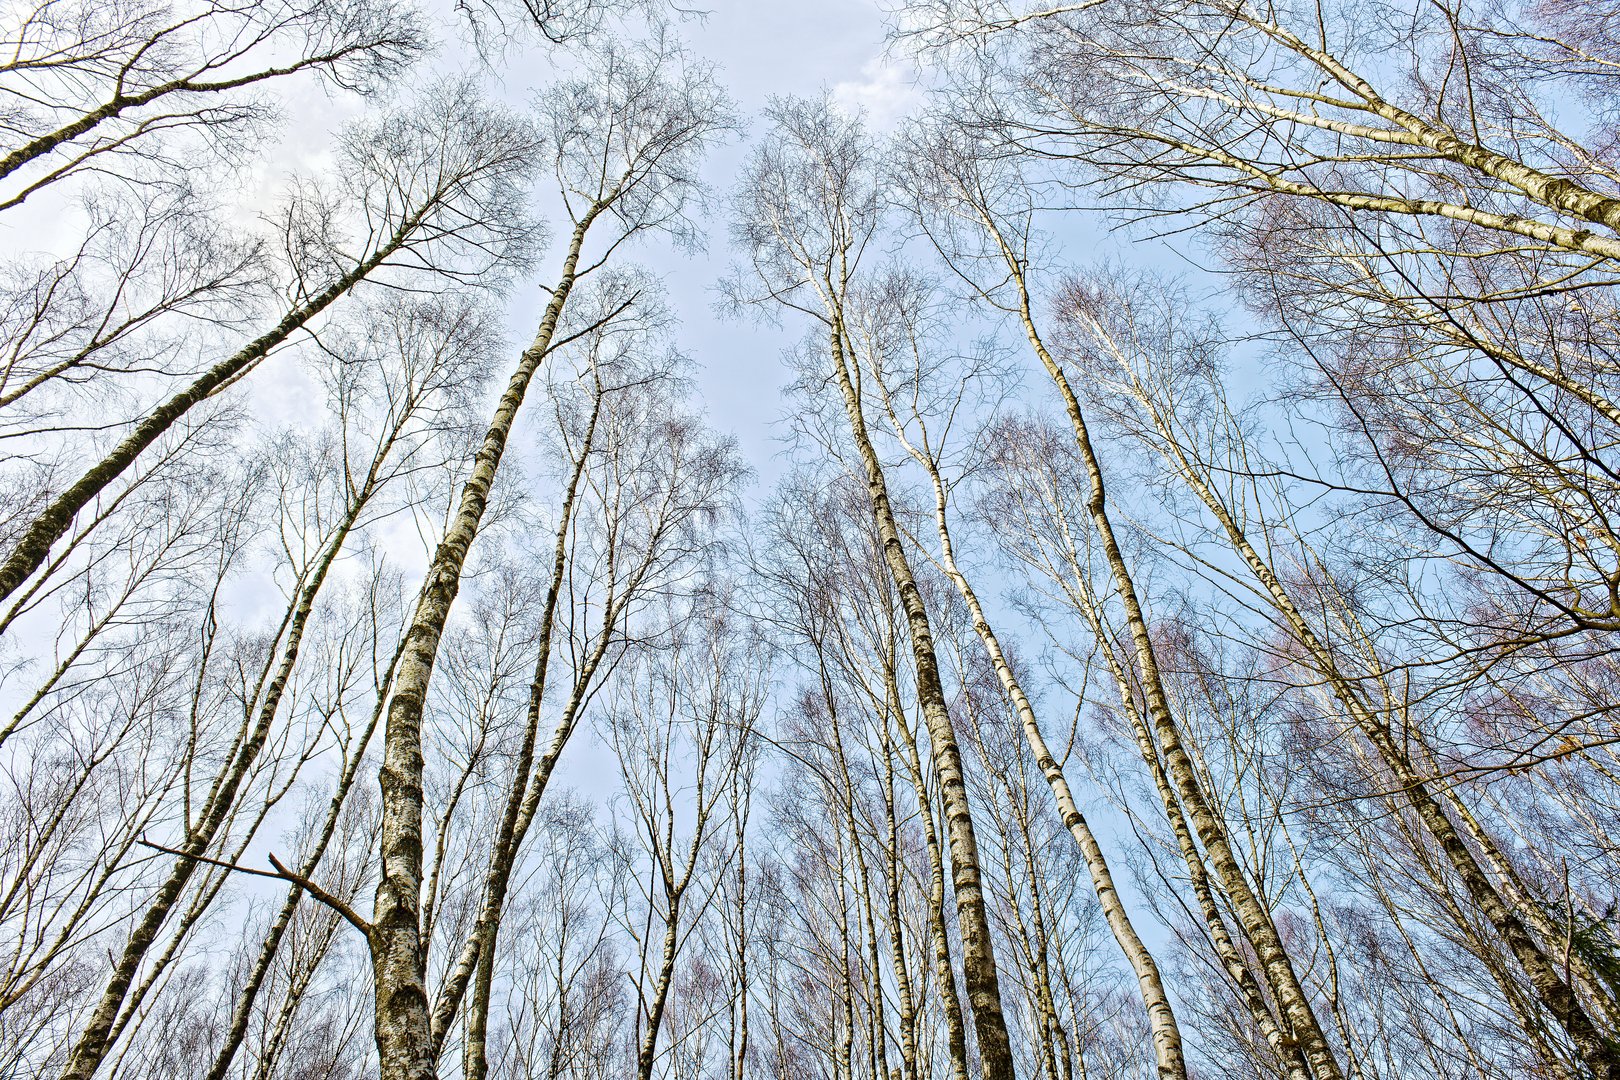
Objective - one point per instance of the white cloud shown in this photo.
(886, 92)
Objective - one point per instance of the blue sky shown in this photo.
(765, 49)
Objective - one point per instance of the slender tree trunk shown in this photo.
(514, 821)
(1297, 1011)
(897, 945)
(950, 1004)
(877, 1049)
(399, 955)
(474, 967)
(1167, 1049)
(846, 1037)
(1232, 960)
(646, 1053)
(978, 951)
(46, 529)
(737, 1037)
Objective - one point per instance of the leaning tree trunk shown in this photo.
(52, 523)
(247, 997)
(1294, 1002)
(1597, 1050)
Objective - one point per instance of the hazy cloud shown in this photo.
(887, 91)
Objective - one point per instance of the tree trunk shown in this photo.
(46, 529)
(1597, 1050)
(1252, 913)
(399, 955)
(978, 952)
(1167, 1051)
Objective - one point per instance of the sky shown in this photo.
(761, 47)
(775, 47)
(766, 48)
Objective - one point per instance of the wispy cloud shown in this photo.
(887, 92)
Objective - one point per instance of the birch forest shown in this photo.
(1093, 555)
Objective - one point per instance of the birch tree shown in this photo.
(421, 198)
(623, 145)
(805, 215)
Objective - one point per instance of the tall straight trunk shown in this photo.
(844, 794)
(737, 1035)
(52, 523)
(897, 946)
(1231, 959)
(978, 951)
(475, 966)
(1028, 938)
(846, 1037)
(1167, 1047)
(1303, 1027)
(877, 1046)
(1290, 1048)
(944, 971)
(1052, 1035)
(514, 820)
(399, 954)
